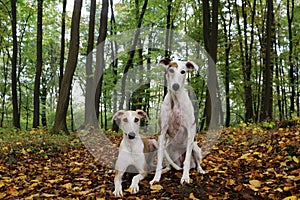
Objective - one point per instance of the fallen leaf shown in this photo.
(155, 188)
(231, 182)
(291, 198)
(67, 185)
(191, 196)
(295, 159)
(255, 183)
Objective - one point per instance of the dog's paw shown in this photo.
(185, 178)
(200, 170)
(155, 179)
(134, 188)
(118, 191)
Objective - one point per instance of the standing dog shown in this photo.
(134, 150)
(177, 120)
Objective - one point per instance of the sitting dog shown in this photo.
(134, 150)
(177, 120)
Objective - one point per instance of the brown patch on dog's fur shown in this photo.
(190, 65)
(173, 64)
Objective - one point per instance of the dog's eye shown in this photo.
(171, 70)
(136, 119)
(182, 72)
(125, 120)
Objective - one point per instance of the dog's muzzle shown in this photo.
(175, 86)
(131, 135)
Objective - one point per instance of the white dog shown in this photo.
(177, 120)
(134, 150)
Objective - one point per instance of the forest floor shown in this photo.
(247, 163)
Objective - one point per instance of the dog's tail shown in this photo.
(174, 165)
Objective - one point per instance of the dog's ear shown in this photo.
(165, 62)
(118, 114)
(142, 114)
(190, 65)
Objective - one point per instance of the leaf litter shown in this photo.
(248, 162)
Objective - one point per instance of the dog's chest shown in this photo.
(175, 121)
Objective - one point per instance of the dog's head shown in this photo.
(176, 72)
(129, 121)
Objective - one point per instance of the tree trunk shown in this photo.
(39, 65)
(3, 94)
(90, 114)
(100, 62)
(114, 47)
(210, 33)
(44, 101)
(60, 123)
(267, 99)
(16, 114)
(228, 46)
(167, 41)
(131, 54)
(62, 44)
(290, 16)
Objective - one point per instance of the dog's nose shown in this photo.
(131, 135)
(175, 86)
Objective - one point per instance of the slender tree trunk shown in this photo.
(290, 16)
(167, 41)
(210, 33)
(39, 65)
(62, 44)
(90, 114)
(114, 47)
(131, 54)
(60, 123)
(44, 101)
(267, 100)
(3, 94)
(227, 63)
(16, 114)
(100, 62)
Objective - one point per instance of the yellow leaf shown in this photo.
(193, 197)
(287, 188)
(67, 185)
(231, 182)
(295, 159)
(1, 184)
(155, 188)
(128, 190)
(255, 183)
(33, 185)
(23, 151)
(291, 198)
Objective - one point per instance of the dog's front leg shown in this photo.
(118, 186)
(188, 155)
(160, 153)
(135, 182)
(197, 154)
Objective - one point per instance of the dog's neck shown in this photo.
(132, 145)
(176, 96)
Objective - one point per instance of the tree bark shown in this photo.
(131, 54)
(39, 65)
(267, 99)
(16, 114)
(210, 33)
(62, 44)
(60, 123)
(90, 114)
(100, 62)
(290, 18)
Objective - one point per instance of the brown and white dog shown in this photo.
(178, 122)
(134, 150)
